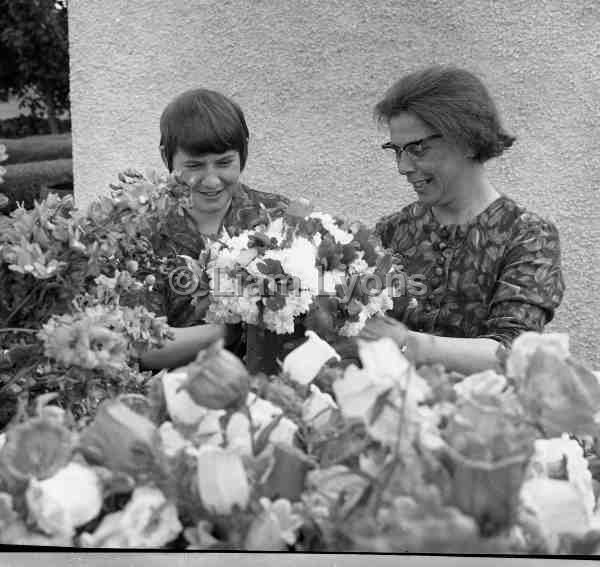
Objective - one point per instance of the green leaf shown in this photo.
(270, 267)
(275, 303)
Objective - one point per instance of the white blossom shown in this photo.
(148, 520)
(304, 362)
(222, 480)
(562, 458)
(65, 501)
(555, 508)
(341, 236)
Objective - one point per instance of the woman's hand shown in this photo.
(383, 326)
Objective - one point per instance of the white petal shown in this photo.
(172, 441)
(305, 361)
(284, 432)
(70, 498)
(557, 507)
(317, 408)
(222, 480)
(355, 394)
(180, 405)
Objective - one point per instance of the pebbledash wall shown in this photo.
(307, 74)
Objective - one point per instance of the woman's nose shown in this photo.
(211, 181)
(404, 164)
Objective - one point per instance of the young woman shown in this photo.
(204, 137)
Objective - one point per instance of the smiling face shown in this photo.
(212, 177)
(438, 169)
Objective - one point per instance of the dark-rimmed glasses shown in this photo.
(414, 149)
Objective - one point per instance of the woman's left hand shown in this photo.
(383, 326)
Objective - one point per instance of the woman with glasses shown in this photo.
(491, 268)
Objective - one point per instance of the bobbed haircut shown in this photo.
(454, 103)
(201, 121)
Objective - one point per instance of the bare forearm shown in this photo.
(466, 356)
(187, 342)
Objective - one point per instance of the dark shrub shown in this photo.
(22, 126)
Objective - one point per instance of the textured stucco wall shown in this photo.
(307, 74)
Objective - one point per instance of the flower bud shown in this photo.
(217, 379)
(180, 407)
(222, 480)
(120, 439)
(132, 266)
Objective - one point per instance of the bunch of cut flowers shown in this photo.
(303, 266)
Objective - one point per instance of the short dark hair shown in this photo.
(452, 101)
(201, 121)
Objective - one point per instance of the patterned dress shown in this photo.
(496, 276)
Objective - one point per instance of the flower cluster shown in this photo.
(102, 337)
(75, 291)
(292, 267)
(388, 462)
(53, 252)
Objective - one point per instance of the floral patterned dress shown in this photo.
(496, 276)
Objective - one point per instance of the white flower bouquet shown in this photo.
(304, 265)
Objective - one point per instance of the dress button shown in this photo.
(438, 271)
(441, 260)
(435, 281)
(427, 307)
(443, 245)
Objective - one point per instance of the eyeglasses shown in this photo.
(415, 149)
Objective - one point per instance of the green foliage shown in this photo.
(35, 46)
(28, 125)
